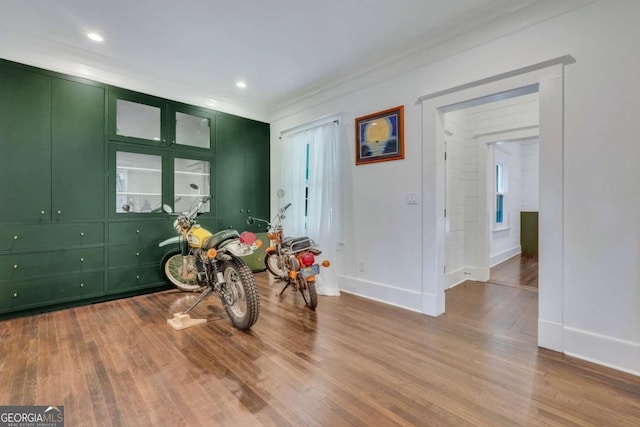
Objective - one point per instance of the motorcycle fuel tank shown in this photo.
(197, 235)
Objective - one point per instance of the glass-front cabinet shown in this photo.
(138, 185)
(191, 179)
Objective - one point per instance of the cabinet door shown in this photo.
(25, 145)
(77, 151)
(257, 169)
(230, 170)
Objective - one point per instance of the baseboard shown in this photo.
(404, 298)
(503, 256)
(455, 278)
(603, 350)
(550, 335)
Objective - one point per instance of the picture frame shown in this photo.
(380, 136)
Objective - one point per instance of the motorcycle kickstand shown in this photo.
(200, 298)
(285, 288)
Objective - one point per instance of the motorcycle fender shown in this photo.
(236, 248)
(171, 241)
(270, 250)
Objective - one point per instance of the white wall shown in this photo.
(601, 255)
(530, 174)
(505, 238)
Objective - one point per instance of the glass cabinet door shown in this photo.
(136, 120)
(192, 178)
(194, 131)
(138, 182)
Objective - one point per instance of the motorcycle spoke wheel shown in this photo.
(271, 262)
(241, 300)
(171, 269)
(308, 291)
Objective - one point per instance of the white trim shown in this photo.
(563, 60)
(551, 293)
(312, 124)
(376, 291)
(612, 352)
(550, 335)
(502, 257)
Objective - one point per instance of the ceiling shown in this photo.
(196, 50)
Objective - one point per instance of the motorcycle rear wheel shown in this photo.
(271, 262)
(170, 268)
(242, 302)
(308, 291)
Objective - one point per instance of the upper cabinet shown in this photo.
(52, 139)
(144, 119)
(137, 118)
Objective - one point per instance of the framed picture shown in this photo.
(380, 136)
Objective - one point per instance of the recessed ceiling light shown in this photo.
(241, 84)
(95, 37)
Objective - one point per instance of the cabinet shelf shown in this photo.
(129, 193)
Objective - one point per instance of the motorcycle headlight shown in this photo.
(175, 224)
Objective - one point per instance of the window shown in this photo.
(501, 189)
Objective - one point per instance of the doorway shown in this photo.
(548, 75)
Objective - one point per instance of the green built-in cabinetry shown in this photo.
(85, 169)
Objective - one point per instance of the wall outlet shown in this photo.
(361, 266)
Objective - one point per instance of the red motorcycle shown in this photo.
(292, 259)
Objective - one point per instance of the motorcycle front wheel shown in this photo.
(171, 266)
(241, 299)
(271, 262)
(308, 291)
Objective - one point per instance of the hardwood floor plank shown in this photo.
(353, 362)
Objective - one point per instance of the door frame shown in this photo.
(549, 76)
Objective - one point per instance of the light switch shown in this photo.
(412, 198)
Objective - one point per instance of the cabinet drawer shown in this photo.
(19, 266)
(142, 253)
(125, 279)
(140, 231)
(40, 236)
(50, 290)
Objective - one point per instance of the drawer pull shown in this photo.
(15, 237)
(137, 231)
(81, 259)
(81, 234)
(82, 285)
(137, 277)
(15, 295)
(241, 211)
(41, 212)
(248, 210)
(15, 266)
(59, 212)
(137, 253)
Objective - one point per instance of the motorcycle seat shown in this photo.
(214, 241)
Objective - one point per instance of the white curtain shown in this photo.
(323, 218)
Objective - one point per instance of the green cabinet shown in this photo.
(242, 165)
(25, 141)
(52, 138)
(74, 224)
(77, 132)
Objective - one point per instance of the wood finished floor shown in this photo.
(353, 362)
(520, 270)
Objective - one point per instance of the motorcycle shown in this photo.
(211, 263)
(292, 259)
